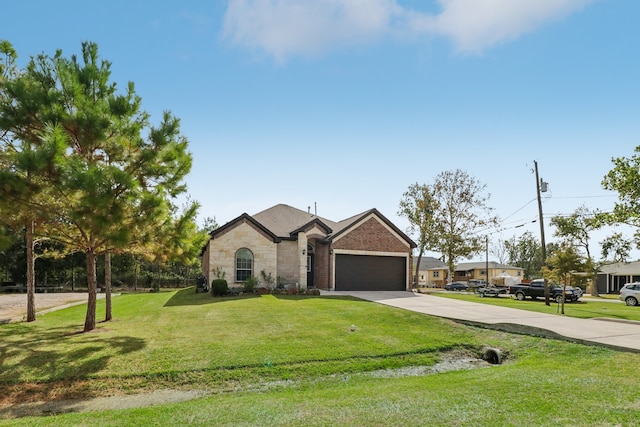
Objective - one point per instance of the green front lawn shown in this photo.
(585, 308)
(289, 360)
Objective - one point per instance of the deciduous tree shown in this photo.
(461, 214)
(625, 179)
(616, 247)
(562, 264)
(418, 206)
(525, 251)
(575, 229)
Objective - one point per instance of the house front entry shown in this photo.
(310, 265)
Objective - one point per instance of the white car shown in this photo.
(630, 293)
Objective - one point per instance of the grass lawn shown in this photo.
(585, 308)
(289, 360)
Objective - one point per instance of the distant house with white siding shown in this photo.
(612, 277)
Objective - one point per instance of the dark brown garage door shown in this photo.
(370, 273)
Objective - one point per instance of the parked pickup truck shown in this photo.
(536, 290)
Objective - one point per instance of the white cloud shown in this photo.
(475, 25)
(285, 28)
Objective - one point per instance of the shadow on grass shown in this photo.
(40, 364)
(331, 297)
(189, 296)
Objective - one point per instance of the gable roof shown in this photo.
(429, 263)
(466, 266)
(283, 220)
(344, 225)
(621, 268)
(243, 218)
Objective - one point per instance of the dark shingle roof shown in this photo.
(282, 220)
(466, 266)
(428, 262)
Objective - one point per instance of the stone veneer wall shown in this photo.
(206, 261)
(288, 262)
(222, 252)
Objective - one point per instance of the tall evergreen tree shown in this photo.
(112, 186)
(24, 162)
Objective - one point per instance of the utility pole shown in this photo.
(486, 260)
(542, 187)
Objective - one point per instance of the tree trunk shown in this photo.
(135, 275)
(107, 286)
(547, 299)
(594, 288)
(416, 278)
(31, 276)
(90, 320)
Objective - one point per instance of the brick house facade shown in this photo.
(363, 252)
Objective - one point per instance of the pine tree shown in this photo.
(111, 187)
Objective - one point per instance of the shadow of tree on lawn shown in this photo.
(38, 364)
(188, 296)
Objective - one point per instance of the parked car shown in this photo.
(576, 290)
(492, 291)
(456, 286)
(630, 293)
(476, 283)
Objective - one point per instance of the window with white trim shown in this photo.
(244, 264)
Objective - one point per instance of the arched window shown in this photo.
(244, 265)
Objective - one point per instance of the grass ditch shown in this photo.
(295, 361)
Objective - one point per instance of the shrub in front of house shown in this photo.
(219, 287)
(267, 279)
(250, 284)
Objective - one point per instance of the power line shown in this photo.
(584, 197)
(524, 206)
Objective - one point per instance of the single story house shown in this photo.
(432, 272)
(612, 277)
(363, 252)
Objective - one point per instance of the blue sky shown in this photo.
(342, 104)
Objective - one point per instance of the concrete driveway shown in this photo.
(620, 335)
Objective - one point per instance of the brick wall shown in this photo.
(372, 235)
(322, 266)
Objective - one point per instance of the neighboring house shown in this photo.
(466, 271)
(612, 277)
(364, 252)
(432, 272)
